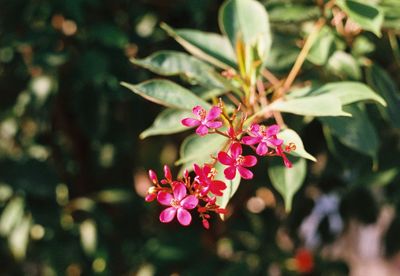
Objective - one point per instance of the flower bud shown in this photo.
(167, 173)
(206, 224)
(153, 177)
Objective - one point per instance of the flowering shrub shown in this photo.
(238, 105)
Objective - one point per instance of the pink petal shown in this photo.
(249, 161)
(184, 217)
(179, 190)
(230, 172)
(215, 124)
(225, 159)
(255, 128)
(274, 142)
(168, 215)
(217, 186)
(164, 198)
(189, 202)
(236, 150)
(190, 122)
(273, 130)
(249, 140)
(202, 130)
(197, 169)
(214, 113)
(197, 110)
(262, 148)
(245, 173)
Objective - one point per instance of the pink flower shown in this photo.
(205, 121)
(205, 177)
(179, 203)
(264, 137)
(236, 161)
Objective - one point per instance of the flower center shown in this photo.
(202, 114)
(239, 160)
(213, 172)
(175, 203)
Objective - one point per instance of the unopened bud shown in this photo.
(167, 173)
(153, 177)
(206, 224)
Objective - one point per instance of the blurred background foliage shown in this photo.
(73, 170)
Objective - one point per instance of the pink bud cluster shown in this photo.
(201, 191)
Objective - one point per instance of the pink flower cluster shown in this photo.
(186, 194)
(201, 192)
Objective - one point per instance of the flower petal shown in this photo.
(190, 122)
(255, 128)
(245, 173)
(179, 190)
(225, 159)
(189, 202)
(217, 186)
(214, 113)
(249, 161)
(214, 124)
(262, 148)
(230, 172)
(236, 150)
(168, 215)
(198, 110)
(273, 130)
(202, 130)
(274, 142)
(164, 198)
(184, 217)
(250, 140)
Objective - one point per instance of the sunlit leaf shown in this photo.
(291, 136)
(199, 149)
(169, 63)
(210, 47)
(247, 21)
(12, 213)
(287, 181)
(232, 186)
(167, 122)
(322, 47)
(320, 105)
(88, 234)
(19, 237)
(369, 17)
(167, 93)
(344, 66)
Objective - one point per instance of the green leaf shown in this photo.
(283, 12)
(291, 136)
(356, 132)
(386, 87)
(378, 179)
(232, 186)
(369, 17)
(346, 91)
(19, 237)
(206, 93)
(210, 47)
(320, 105)
(344, 66)
(322, 47)
(88, 235)
(287, 181)
(167, 93)
(167, 122)
(12, 213)
(199, 149)
(170, 63)
(247, 21)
